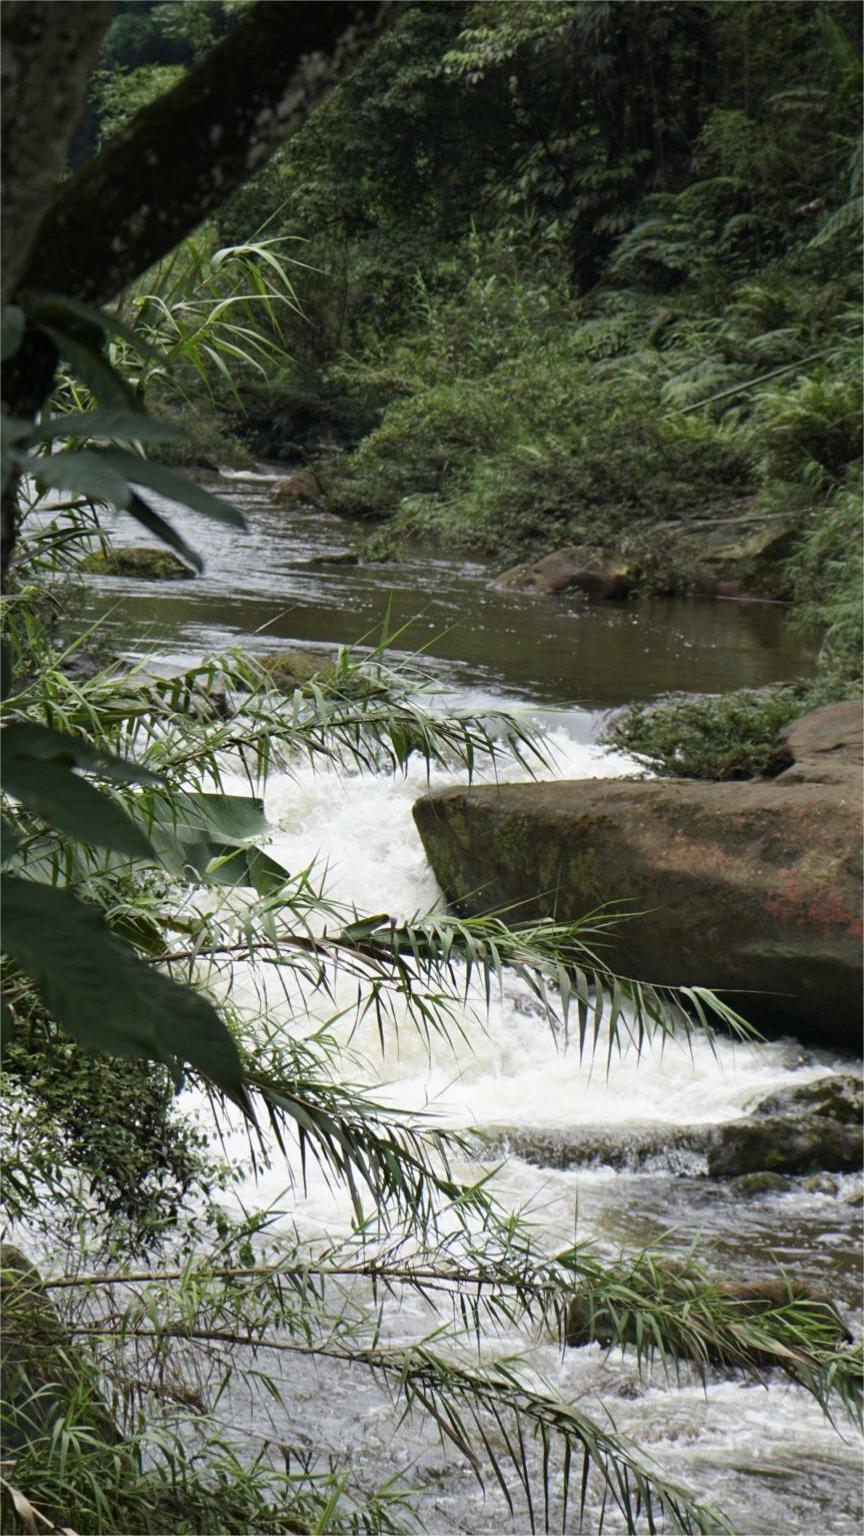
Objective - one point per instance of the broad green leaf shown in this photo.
(83, 474)
(27, 740)
(88, 365)
(201, 837)
(56, 308)
(74, 806)
(11, 330)
(13, 429)
(131, 426)
(154, 522)
(168, 483)
(101, 993)
(233, 818)
(203, 861)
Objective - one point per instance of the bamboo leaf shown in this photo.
(88, 364)
(83, 474)
(155, 523)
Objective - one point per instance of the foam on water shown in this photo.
(510, 1067)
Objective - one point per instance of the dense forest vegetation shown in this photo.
(534, 274)
(567, 273)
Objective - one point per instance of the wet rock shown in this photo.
(751, 1185)
(85, 663)
(44, 1370)
(782, 1144)
(578, 567)
(671, 1148)
(756, 1153)
(304, 485)
(824, 747)
(839, 1097)
(289, 669)
(339, 557)
(743, 555)
(821, 1184)
(142, 562)
(751, 888)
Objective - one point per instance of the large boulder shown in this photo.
(578, 567)
(839, 1097)
(740, 555)
(751, 888)
(303, 486)
(782, 1144)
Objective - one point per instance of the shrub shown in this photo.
(731, 736)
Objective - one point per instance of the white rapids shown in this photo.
(770, 1460)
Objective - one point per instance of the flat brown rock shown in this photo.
(750, 888)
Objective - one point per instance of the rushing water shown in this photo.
(768, 1458)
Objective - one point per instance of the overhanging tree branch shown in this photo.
(183, 155)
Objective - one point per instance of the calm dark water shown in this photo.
(268, 588)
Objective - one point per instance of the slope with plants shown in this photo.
(583, 271)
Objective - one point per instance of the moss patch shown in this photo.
(139, 561)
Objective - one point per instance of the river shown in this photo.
(768, 1458)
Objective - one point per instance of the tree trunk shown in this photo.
(49, 52)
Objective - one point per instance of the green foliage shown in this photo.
(732, 736)
(73, 1114)
(622, 294)
(810, 430)
(515, 424)
(827, 570)
(119, 94)
(556, 254)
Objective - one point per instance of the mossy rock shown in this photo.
(142, 562)
(751, 1185)
(838, 1097)
(783, 1144)
(290, 670)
